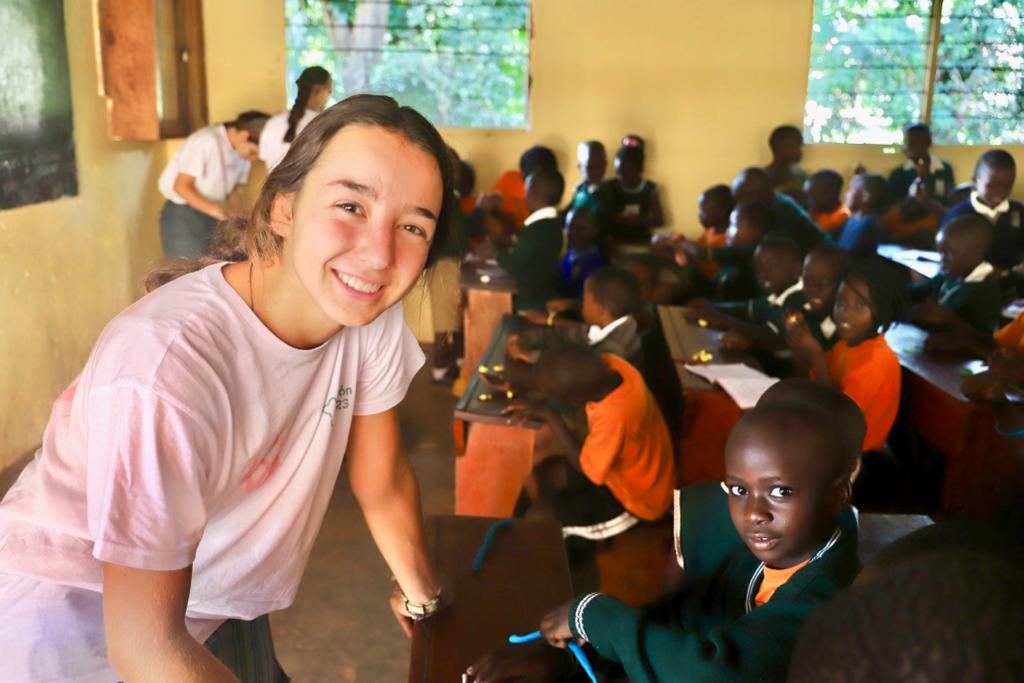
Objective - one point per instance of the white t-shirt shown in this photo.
(208, 156)
(195, 436)
(272, 144)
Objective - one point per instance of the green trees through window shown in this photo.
(462, 63)
(877, 65)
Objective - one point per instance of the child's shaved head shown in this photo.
(572, 374)
(545, 187)
(963, 243)
(838, 406)
(777, 263)
(786, 474)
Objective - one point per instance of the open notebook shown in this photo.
(744, 384)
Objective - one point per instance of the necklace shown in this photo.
(252, 301)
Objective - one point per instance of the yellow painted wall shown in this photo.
(66, 267)
(704, 82)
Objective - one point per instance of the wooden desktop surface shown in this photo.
(524, 574)
(978, 471)
(493, 458)
(708, 412)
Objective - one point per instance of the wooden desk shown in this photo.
(977, 466)
(494, 458)
(924, 263)
(486, 303)
(708, 412)
(524, 575)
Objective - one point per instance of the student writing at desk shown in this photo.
(623, 471)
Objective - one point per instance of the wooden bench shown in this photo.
(493, 458)
(524, 574)
(978, 469)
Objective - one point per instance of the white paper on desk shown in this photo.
(715, 371)
(746, 391)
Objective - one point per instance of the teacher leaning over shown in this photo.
(185, 473)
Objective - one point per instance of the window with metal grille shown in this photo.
(461, 63)
(878, 65)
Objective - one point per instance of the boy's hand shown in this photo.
(562, 305)
(985, 387)
(496, 380)
(734, 341)
(554, 626)
(536, 316)
(521, 412)
(798, 335)
(534, 662)
(918, 190)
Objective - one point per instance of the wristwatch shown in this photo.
(421, 610)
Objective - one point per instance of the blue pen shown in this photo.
(581, 657)
(575, 649)
(488, 539)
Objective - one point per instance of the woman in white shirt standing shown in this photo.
(185, 473)
(314, 91)
(201, 177)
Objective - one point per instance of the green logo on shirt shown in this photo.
(341, 401)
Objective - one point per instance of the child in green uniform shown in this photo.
(787, 145)
(634, 208)
(777, 266)
(965, 295)
(534, 259)
(788, 481)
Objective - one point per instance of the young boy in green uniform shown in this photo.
(534, 259)
(965, 295)
(787, 478)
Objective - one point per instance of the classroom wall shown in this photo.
(703, 82)
(67, 266)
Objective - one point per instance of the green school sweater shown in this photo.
(938, 182)
(534, 263)
(977, 300)
(710, 631)
(771, 311)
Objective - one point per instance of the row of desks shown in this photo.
(977, 466)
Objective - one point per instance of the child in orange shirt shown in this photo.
(872, 296)
(822, 198)
(624, 470)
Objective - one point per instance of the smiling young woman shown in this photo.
(185, 473)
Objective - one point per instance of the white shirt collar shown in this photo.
(779, 299)
(934, 164)
(987, 211)
(980, 272)
(541, 214)
(596, 335)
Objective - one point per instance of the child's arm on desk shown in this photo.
(521, 411)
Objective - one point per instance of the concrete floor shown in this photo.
(340, 627)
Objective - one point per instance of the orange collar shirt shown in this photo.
(628, 448)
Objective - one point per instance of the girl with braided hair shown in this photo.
(314, 85)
